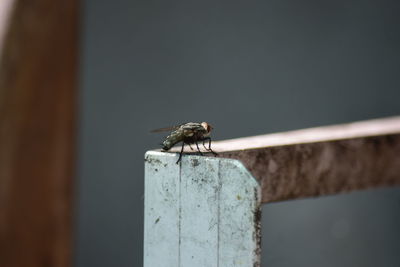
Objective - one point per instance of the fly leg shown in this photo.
(198, 149)
(191, 148)
(204, 141)
(209, 145)
(180, 154)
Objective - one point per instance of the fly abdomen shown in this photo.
(166, 145)
(172, 139)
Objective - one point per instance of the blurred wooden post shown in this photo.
(38, 70)
(206, 211)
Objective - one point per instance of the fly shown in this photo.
(187, 133)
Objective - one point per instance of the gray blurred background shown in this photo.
(248, 68)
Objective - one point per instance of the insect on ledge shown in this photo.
(188, 133)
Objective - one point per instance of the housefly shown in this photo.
(187, 133)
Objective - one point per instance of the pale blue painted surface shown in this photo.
(203, 212)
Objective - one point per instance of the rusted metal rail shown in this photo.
(321, 161)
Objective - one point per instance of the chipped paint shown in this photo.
(210, 210)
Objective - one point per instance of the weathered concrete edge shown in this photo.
(236, 162)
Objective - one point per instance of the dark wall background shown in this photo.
(247, 67)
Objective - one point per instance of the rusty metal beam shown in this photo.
(320, 161)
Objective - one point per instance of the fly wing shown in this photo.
(188, 128)
(166, 129)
